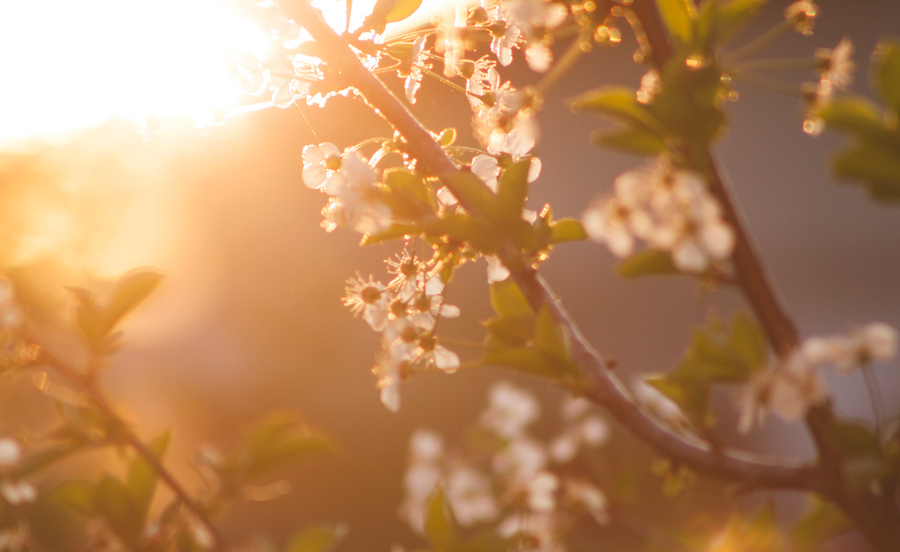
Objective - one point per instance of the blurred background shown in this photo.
(249, 318)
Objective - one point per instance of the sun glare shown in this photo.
(72, 65)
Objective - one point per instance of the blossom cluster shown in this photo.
(792, 386)
(670, 209)
(350, 182)
(514, 487)
(406, 311)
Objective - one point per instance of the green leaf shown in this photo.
(512, 189)
(878, 167)
(114, 502)
(566, 230)
(852, 439)
(887, 63)
(508, 301)
(131, 289)
(141, 482)
(88, 316)
(440, 527)
(447, 137)
(512, 332)
(734, 15)
(820, 523)
(322, 538)
(396, 231)
(748, 339)
(77, 495)
(278, 442)
(402, 9)
(408, 185)
(691, 396)
(550, 337)
(677, 15)
(647, 263)
(856, 115)
(465, 228)
(619, 103)
(636, 140)
(712, 357)
(471, 192)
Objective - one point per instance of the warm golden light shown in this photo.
(70, 65)
(74, 65)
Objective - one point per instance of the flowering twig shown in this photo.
(604, 387)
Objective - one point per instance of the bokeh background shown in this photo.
(249, 318)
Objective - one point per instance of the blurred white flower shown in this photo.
(510, 410)
(469, 495)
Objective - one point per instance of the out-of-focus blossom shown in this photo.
(469, 495)
(802, 15)
(510, 410)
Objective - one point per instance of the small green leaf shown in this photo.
(677, 15)
(878, 167)
(566, 230)
(396, 231)
(851, 439)
(619, 103)
(550, 337)
(114, 502)
(734, 15)
(447, 137)
(691, 396)
(402, 9)
(856, 115)
(748, 339)
(471, 192)
(508, 301)
(513, 189)
(278, 442)
(820, 523)
(440, 528)
(141, 482)
(77, 495)
(128, 293)
(511, 332)
(647, 263)
(322, 538)
(636, 140)
(887, 63)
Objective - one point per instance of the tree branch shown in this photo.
(131, 439)
(876, 514)
(604, 387)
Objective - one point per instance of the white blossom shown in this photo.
(10, 453)
(469, 495)
(510, 410)
(589, 497)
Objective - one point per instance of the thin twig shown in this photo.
(89, 388)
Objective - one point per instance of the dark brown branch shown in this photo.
(604, 387)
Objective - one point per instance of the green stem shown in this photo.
(759, 42)
(772, 64)
(772, 84)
